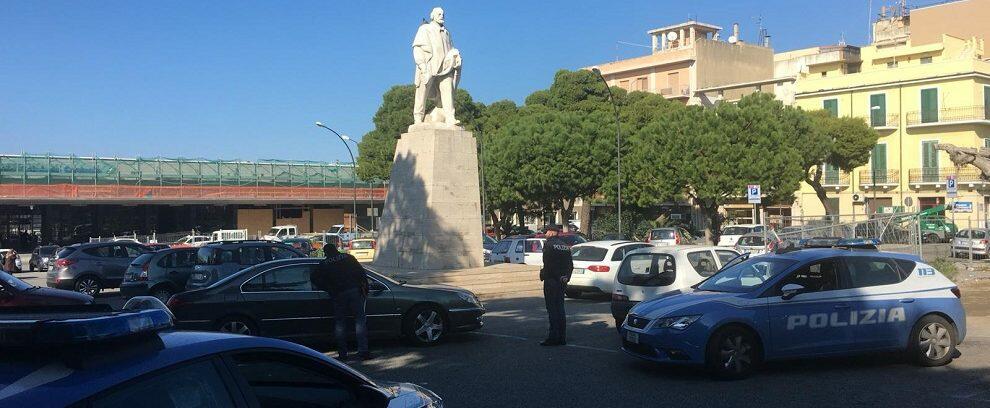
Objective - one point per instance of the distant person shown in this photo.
(556, 272)
(10, 262)
(345, 280)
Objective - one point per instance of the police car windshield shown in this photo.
(746, 275)
(13, 282)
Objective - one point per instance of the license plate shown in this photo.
(578, 271)
(632, 337)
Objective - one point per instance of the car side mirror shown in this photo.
(790, 290)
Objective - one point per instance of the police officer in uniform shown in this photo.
(556, 272)
(345, 280)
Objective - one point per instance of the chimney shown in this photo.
(766, 41)
(735, 30)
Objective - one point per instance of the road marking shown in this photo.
(507, 336)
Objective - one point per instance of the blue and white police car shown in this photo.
(90, 357)
(802, 303)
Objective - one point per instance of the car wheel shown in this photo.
(424, 326)
(733, 353)
(933, 341)
(88, 285)
(162, 293)
(238, 325)
(30, 267)
(931, 238)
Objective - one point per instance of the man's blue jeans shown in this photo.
(350, 303)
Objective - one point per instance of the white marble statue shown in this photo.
(438, 69)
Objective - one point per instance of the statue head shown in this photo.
(437, 15)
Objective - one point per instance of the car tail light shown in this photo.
(599, 268)
(173, 302)
(983, 241)
(677, 239)
(373, 245)
(621, 298)
(64, 262)
(957, 292)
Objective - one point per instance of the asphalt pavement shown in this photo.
(502, 365)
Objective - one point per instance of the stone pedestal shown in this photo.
(432, 215)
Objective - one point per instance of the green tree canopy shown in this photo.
(844, 142)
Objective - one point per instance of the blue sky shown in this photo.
(247, 79)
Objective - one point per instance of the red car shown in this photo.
(15, 292)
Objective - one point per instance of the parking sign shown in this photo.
(951, 189)
(753, 193)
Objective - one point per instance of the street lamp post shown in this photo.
(618, 151)
(344, 140)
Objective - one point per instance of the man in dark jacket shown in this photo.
(556, 272)
(344, 278)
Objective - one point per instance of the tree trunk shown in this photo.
(714, 229)
(567, 212)
(815, 181)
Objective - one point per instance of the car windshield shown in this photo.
(747, 275)
(274, 231)
(588, 253)
(13, 282)
(357, 244)
(47, 250)
(736, 230)
(488, 239)
(662, 234)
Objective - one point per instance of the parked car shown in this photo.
(975, 242)
(160, 274)
(191, 241)
(731, 234)
(40, 257)
(487, 243)
(90, 268)
(572, 238)
(650, 272)
(303, 244)
(668, 236)
(133, 358)
(363, 249)
(219, 260)
(157, 246)
(345, 234)
(595, 265)
(15, 292)
(281, 232)
(519, 249)
(276, 299)
(17, 260)
(752, 243)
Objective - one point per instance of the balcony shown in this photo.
(966, 176)
(978, 114)
(679, 92)
(836, 180)
(878, 178)
(889, 121)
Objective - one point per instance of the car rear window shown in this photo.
(662, 234)
(47, 251)
(533, 246)
(648, 270)
(362, 244)
(65, 252)
(751, 241)
(736, 230)
(588, 253)
(141, 260)
(213, 256)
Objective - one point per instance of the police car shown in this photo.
(802, 303)
(89, 357)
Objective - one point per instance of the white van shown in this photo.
(650, 272)
(519, 250)
(281, 232)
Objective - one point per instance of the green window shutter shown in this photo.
(831, 176)
(929, 161)
(929, 105)
(879, 163)
(878, 110)
(832, 106)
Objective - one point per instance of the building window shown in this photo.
(624, 84)
(878, 163)
(892, 64)
(929, 105)
(878, 110)
(831, 176)
(831, 106)
(641, 84)
(824, 74)
(852, 68)
(929, 161)
(926, 60)
(925, 203)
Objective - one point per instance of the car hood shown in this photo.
(447, 288)
(51, 296)
(408, 395)
(669, 303)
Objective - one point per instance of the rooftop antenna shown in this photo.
(869, 20)
(759, 29)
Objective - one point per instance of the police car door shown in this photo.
(807, 323)
(880, 314)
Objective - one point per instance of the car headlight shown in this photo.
(676, 323)
(469, 298)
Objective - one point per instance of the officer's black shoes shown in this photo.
(550, 343)
(365, 356)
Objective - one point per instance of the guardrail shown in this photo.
(869, 178)
(939, 175)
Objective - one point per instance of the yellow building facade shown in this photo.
(915, 96)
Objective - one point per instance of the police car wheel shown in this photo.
(733, 353)
(933, 341)
(237, 325)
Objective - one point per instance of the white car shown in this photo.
(595, 265)
(668, 236)
(650, 272)
(752, 243)
(279, 233)
(731, 234)
(519, 250)
(193, 240)
(971, 241)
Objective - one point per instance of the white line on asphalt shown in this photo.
(527, 339)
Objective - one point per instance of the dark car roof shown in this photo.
(161, 350)
(819, 253)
